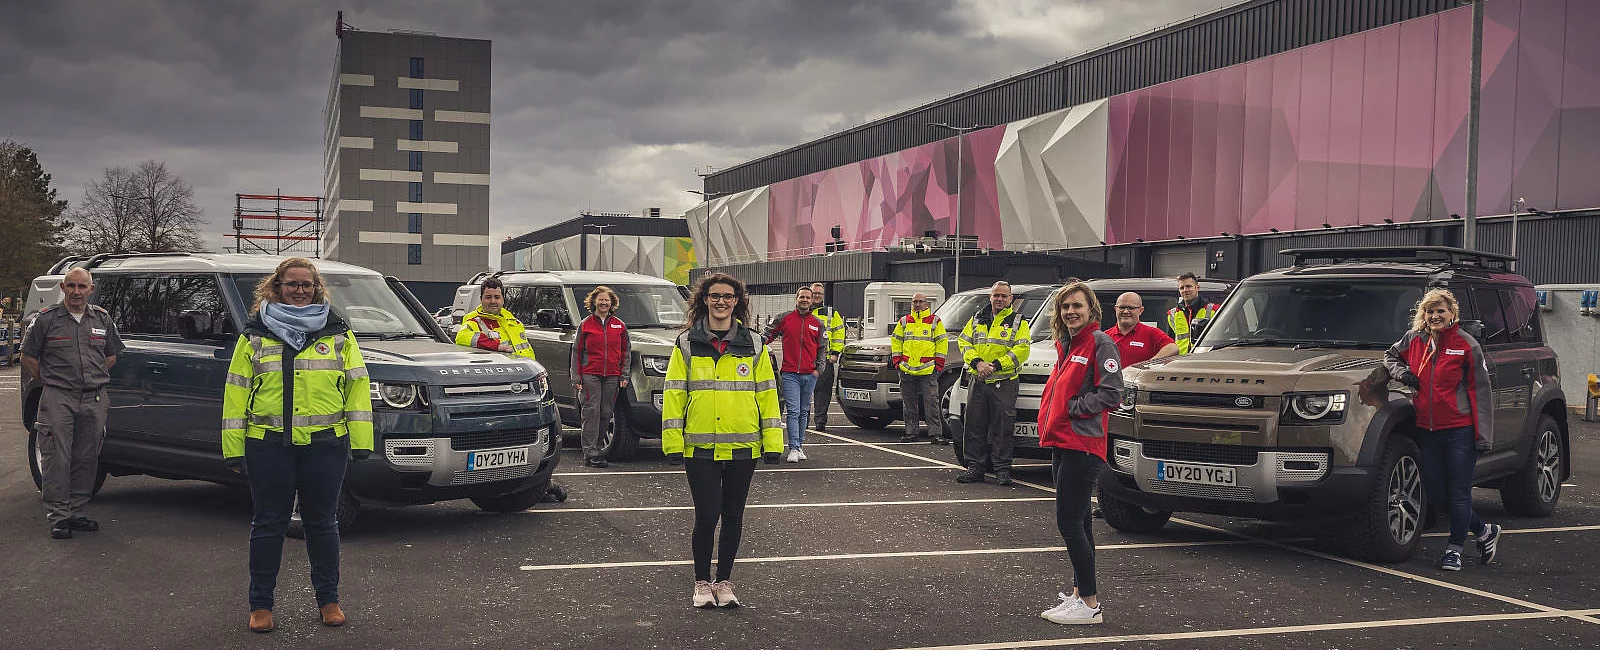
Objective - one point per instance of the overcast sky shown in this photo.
(610, 105)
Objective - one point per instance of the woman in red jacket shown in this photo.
(600, 366)
(1454, 416)
(1083, 388)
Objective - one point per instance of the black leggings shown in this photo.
(1076, 474)
(719, 489)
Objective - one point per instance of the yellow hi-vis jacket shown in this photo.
(720, 405)
(486, 331)
(1179, 322)
(329, 389)
(1000, 339)
(921, 339)
(834, 324)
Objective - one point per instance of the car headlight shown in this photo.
(1315, 408)
(541, 387)
(399, 396)
(656, 366)
(1130, 396)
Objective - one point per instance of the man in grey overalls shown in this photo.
(71, 347)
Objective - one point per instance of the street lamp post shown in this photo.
(960, 173)
(600, 240)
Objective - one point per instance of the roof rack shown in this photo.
(102, 258)
(65, 263)
(484, 275)
(1413, 254)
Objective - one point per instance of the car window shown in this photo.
(959, 309)
(1521, 305)
(153, 304)
(640, 305)
(1367, 313)
(1486, 307)
(366, 302)
(1156, 305)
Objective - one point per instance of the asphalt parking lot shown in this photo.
(869, 544)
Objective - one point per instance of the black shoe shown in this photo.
(908, 438)
(972, 475)
(84, 524)
(61, 530)
(594, 461)
(941, 441)
(1002, 477)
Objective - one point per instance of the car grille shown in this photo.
(859, 384)
(1207, 400)
(496, 474)
(1032, 379)
(1196, 452)
(1222, 492)
(494, 439)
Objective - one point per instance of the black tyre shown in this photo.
(1534, 490)
(1130, 518)
(1390, 525)
(868, 421)
(36, 460)
(515, 501)
(346, 511)
(618, 440)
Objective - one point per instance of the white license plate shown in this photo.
(501, 458)
(857, 395)
(1030, 429)
(1200, 474)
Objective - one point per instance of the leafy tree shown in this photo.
(29, 214)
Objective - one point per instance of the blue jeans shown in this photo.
(1448, 458)
(276, 473)
(797, 388)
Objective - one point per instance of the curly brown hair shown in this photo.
(588, 301)
(1059, 329)
(697, 301)
(267, 288)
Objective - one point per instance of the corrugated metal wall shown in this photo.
(1227, 37)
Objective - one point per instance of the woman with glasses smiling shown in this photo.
(720, 413)
(296, 408)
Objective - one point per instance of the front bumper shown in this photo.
(883, 396)
(1274, 484)
(416, 468)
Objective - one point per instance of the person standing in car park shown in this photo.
(1454, 415)
(71, 348)
(719, 413)
(491, 326)
(805, 345)
(1190, 308)
(1084, 386)
(919, 344)
(995, 345)
(833, 323)
(600, 363)
(1136, 341)
(296, 410)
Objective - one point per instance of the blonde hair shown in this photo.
(588, 301)
(1419, 318)
(1058, 328)
(267, 289)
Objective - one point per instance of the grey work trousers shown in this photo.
(991, 416)
(71, 427)
(599, 400)
(919, 396)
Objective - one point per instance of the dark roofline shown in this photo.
(628, 225)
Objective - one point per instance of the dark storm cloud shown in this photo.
(608, 104)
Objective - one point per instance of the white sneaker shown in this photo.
(723, 590)
(703, 596)
(1074, 612)
(794, 456)
(802, 453)
(1065, 602)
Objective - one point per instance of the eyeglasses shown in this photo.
(721, 297)
(298, 286)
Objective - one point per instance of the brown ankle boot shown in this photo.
(260, 620)
(332, 616)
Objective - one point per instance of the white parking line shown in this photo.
(868, 556)
(941, 463)
(837, 504)
(1259, 631)
(761, 469)
(1525, 531)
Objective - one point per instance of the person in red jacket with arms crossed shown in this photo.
(600, 366)
(1454, 415)
(1083, 388)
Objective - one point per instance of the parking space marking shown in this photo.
(1525, 531)
(888, 468)
(837, 504)
(941, 463)
(893, 554)
(1260, 631)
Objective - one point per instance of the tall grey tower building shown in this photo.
(406, 163)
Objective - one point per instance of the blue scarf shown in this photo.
(293, 325)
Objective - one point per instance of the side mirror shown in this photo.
(1473, 328)
(1197, 327)
(552, 319)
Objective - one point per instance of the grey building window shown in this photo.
(413, 253)
(414, 192)
(416, 129)
(414, 223)
(416, 67)
(416, 98)
(415, 161)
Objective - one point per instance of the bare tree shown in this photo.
(146, 209)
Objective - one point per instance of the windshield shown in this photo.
(1156, 305)
(1338, 312)
(365, 301)
(642, 305)
(960, 308)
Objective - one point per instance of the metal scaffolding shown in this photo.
(277, 225)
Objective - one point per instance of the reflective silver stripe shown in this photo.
(338, 351)
(770, 384)
(300, 420)
(1013, 357)
(232, 423)
(771, 423)
(677, 384)
(896, 336)
(270, 350)
(520, 346)
(266, 420)
(672, 423)
(723, 384)
(358, 416)
(920, 366)
(720, 438)
(915, 337)
(356, 373)
(237, 379)
(318, 364)
(263, 367)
